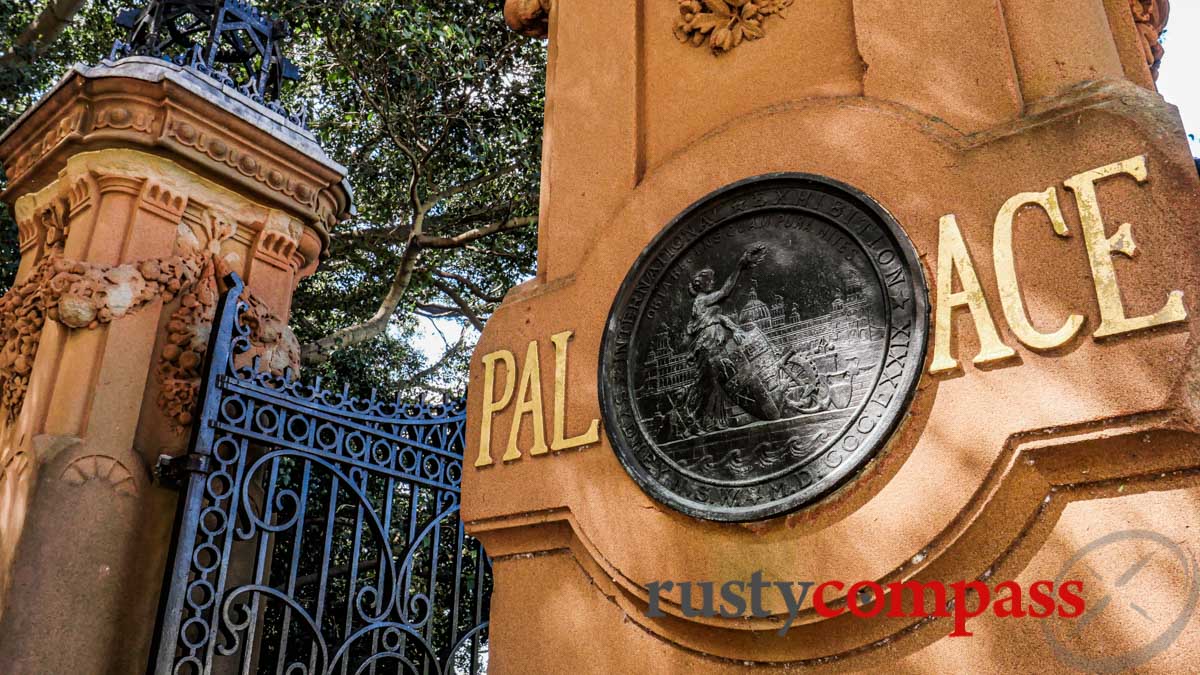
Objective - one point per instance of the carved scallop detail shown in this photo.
(47, 142)
(119, 118)
(26, 234)
(278, 244)
(185, 132)
(79, 193)
(101, 467)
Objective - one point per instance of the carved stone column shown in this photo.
(135, 185)
(622, 430)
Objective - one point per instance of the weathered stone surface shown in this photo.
(135, 185)
(1006, 466)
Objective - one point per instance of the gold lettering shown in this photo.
(490, 405)
(952, 254)
(529, 402)
(559, 441)
(1101, 249)
(1006, 271)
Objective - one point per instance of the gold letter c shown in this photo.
(1006, 271)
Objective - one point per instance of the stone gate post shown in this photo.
(136, 184)
(864, 292)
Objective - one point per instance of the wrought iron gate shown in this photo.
(317, 533)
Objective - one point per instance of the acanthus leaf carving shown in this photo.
(54, 223)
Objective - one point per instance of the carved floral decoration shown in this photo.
(724, 24)
(528, 17)
(82, 296)
(272, 342)
(78, 295)
(1150, 17)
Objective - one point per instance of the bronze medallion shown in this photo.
(763, 348)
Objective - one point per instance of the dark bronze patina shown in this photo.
(763, 348)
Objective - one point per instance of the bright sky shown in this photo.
(1177, 79)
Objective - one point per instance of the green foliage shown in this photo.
(435, 109)
(27, 71)
(418, 98)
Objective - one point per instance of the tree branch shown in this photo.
(43, 31)
(466, 187)
(400, 123)
(513, 257)
(454, 295)
(437, 365)
(471, 286)
(435, 311)
(319, 351)
(459, 240)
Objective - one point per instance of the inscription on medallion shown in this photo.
(763, 348)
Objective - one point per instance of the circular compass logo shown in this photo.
(1130, 616)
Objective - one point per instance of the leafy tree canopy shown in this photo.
(434, 106)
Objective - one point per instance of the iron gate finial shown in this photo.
(230, 41)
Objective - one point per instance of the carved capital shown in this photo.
(528, 17)
(144, 103)
(130, 185)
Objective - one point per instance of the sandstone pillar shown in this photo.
(1053, 431)
(135, 185)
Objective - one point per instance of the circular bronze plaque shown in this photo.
(763, 347)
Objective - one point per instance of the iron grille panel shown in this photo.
(318, 532)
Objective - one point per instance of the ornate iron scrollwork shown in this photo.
(321, 532)
(230, 41)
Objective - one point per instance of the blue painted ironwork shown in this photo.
(318, 532)
(230, 41)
